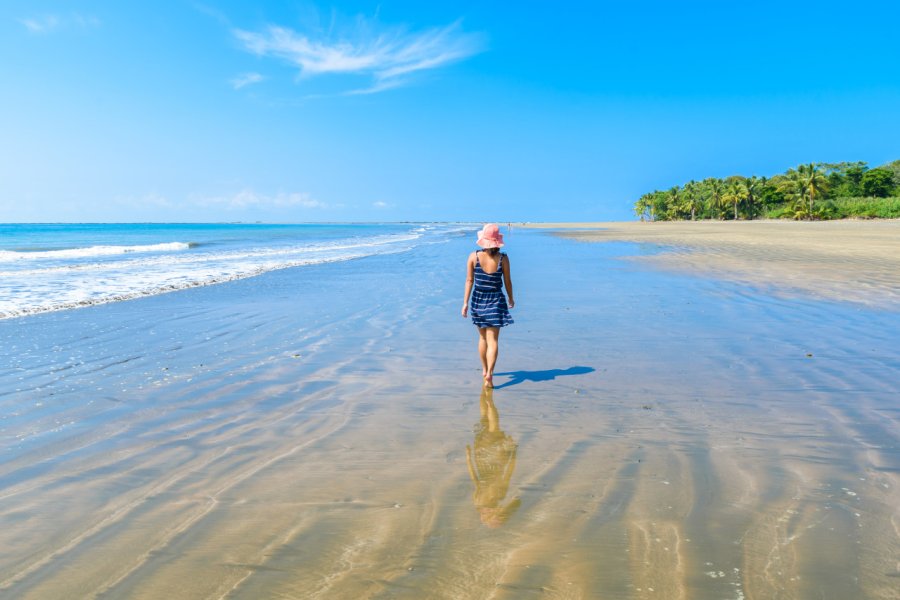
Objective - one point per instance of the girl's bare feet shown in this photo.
(489, 381)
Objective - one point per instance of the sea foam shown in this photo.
(10, 255)
(41, 280)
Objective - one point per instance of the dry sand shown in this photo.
(855, 260)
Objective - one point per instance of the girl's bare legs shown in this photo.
(482, 351)
(492, 339)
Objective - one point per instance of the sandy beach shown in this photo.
(321, 432)
(856, 261)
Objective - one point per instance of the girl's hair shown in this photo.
(492, 251)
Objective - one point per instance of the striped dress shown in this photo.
(488, 304)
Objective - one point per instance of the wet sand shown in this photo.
(652, 436)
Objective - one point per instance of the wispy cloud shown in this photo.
(381, 205)
(249, 199)
(245, 79)
(386, 57)
(41, 24)
(49, 23)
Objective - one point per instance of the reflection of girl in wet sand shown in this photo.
(491, 465)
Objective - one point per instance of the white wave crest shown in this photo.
(79, 280)
(10, 255)
(138, 285)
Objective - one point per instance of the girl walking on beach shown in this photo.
(487, 271)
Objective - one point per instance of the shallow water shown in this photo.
(48, 267)
(305, 434)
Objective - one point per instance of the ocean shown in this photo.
(47, 267)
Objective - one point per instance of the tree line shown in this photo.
(808, 191)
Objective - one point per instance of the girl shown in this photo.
(486, 271)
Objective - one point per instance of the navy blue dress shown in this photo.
(488, 305)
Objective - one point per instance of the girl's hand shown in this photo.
(512, 303)
(465, 309)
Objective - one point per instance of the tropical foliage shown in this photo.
(808, 191)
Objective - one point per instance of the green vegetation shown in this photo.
(811, 191)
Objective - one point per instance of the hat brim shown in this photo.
(489, 243)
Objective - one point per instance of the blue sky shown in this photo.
(361, 111)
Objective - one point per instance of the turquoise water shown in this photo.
(46, 267)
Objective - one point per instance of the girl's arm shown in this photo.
(507, 281)
(470, 280)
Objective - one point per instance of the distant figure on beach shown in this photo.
(491, 464)
(487, 271)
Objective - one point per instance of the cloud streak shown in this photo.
(246, 79)
(386, 57)
(48, 23)
(41, 24)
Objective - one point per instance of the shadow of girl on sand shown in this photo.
(517, 377)
(491, 463)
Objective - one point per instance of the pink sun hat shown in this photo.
(490, 236)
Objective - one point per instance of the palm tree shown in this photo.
(804, 184)
(734, 194)
(791, 185)
(659, 205)
(813, 180)
(673, 207)
(644, 207)
(752, 185)
(715, 195)
(692, 197)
